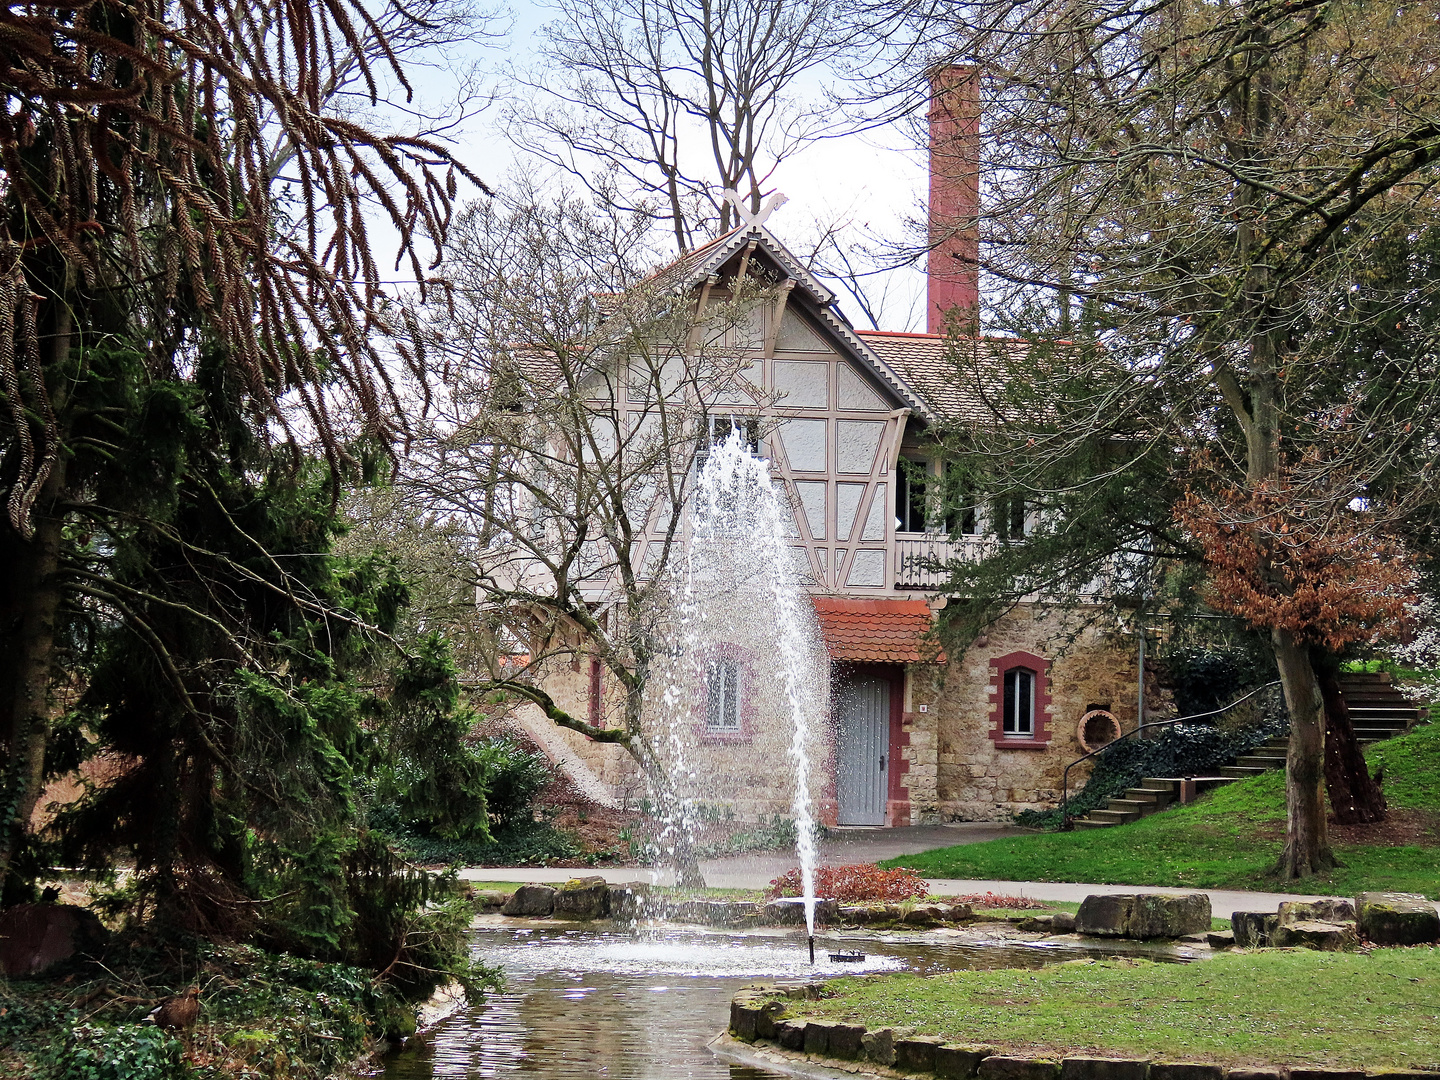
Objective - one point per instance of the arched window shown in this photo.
(1020, 701)
(1018, 720)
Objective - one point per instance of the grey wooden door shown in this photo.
(863, 753)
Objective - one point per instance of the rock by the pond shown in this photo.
(960, 913)
(847, 1040)
(582, 898)
(490, 899)
(531, 902)
(790, 1034)
(854, 914)
(1144, 915)
(1062, 922)
(627, 900)
(1331, 910)
(960, 1062)
(916, 1054)
(1004, 1067)
(1390, 918)
(817, 1036)
(880, 1043)
(1220, 939)
(1322, 936)
(1252, 929)
(36, 937)
(1037, 924)
(1082, 1067)
(1168, 915)
(924, 915)
(1104, 915)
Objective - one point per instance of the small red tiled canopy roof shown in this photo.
(878, 631)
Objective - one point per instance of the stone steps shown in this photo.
(1377, 711)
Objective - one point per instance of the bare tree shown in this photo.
(662, 105)
(1207, 188)
(577, 393)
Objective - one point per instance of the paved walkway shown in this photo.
(843, 847)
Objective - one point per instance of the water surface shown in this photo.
(637, 1005)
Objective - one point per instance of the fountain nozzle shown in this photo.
(812, 948)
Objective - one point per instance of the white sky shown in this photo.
(874, 182)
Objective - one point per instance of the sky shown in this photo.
(873, 182)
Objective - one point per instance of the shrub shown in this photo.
(514, 776)
(865, 883)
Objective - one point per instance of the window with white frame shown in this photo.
(722, 696)
(720, 428)
(1018, 721)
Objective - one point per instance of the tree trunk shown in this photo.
(1355, 796)
(37, 603)
(1307, 842)
(683, 859)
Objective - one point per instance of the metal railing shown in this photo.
(1065, 820)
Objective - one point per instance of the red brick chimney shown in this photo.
(954, 262)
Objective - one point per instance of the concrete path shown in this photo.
(843, 847)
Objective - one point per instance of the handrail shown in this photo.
(1065, 825)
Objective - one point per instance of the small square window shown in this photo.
(722, 696)
(1019, 718)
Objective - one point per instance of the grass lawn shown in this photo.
(1227, 839)
(1380, 1009)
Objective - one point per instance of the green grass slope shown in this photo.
(1228, 839)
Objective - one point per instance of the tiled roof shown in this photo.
(879, 631)
(958, 383)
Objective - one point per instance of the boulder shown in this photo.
(1168, 915)
(1185, 1070)
(490, 900)
(1001, 1067)
(1326, 910)
(960, 913)
(1146, 915)
(1104, 915)
(880, 1043)
(916, 1054)
(1326, 1074)
(1254, 1074)
(784, 913)
(817, 1036)
(36, 937)
(854, 914)
(960, 1062)
(847, 1041)
(582, 898)
(924, 915)
(1099, 1068)
(1062, 922)
(531, 902)
(1323, 936)
(1252, 929)
(627, 901)
(1220, 939)
(768, 1018)
(1388, 918)
(790, 1034)
(1037, 924)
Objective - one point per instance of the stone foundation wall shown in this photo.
(950, 767)
(973, 778)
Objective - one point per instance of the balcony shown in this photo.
(921, 558)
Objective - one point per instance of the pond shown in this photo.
(641, 1004)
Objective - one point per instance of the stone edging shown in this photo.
(760, 1015)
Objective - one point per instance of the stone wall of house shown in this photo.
(950, 767)
(969, 777)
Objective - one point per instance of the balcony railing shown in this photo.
(921, 559)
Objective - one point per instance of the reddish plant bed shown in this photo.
(865, 883)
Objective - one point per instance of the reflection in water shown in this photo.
(597, 1004)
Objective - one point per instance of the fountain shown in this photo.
(747, 673)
